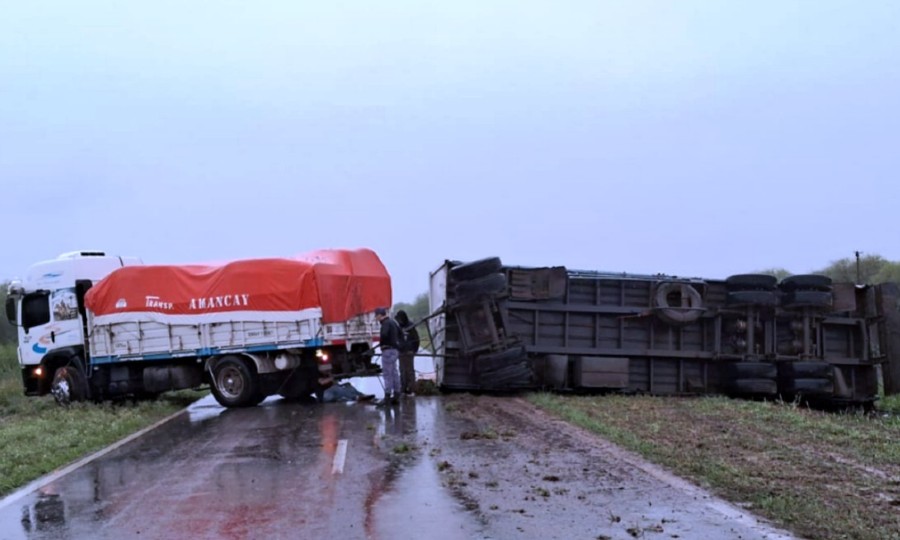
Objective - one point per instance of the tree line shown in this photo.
(866, 269)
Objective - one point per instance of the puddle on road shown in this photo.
(418, 506)
(413, 501)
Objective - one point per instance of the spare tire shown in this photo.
(691, 307)
(475, 269)
(806, 282)
(751, 282)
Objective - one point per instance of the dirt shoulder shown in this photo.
(530, 475)
(821, 475)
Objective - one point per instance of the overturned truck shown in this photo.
(497, 327)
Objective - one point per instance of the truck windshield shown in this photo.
(35, 309)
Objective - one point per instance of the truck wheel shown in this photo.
(751, 298)
(235, 384)
(515, 375)
(754, 387)
(490, 362)
(813, 299)
(69, 385)
(489, 284)
(751, 282)
(475, 269)
(807, 282)
(809, 387)
(806, 370)
(751, 370)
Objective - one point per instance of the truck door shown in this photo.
(34, 335)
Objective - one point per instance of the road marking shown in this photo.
(340, 455)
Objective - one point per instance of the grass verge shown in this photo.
(820, 475)
(38, 436)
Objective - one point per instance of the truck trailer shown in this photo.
(96, 326)
(497, 327)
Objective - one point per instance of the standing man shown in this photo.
(409, 346)
(390, 351)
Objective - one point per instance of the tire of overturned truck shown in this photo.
(515, 375)
(811, 299)
(680, 314)
(751, 370)
(234, 383)
(475, 269)
(752, 298)
(491, 362)
(752, 282)
(806, 282)
(753, 387)
(69, 384)
(806, 370)
(485, 285)
(808, 387)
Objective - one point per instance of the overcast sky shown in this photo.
(690, 138)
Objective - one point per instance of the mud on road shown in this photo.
(528, 475)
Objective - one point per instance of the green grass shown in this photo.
(822, 475)
(39, 436)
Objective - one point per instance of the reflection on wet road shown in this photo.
(264, 472)
(421, 469)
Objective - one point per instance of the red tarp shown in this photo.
(344, 283)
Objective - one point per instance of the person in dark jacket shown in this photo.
(390, 351)
(409, 346)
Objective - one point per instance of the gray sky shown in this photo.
(691, 138)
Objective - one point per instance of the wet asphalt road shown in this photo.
(336, 471)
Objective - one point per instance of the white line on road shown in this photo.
(340, 455)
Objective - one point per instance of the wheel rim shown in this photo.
(61, 390)
(230, 382)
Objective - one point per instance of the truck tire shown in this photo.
(756, 387)
(515, 375)
(752, 298)
(485, 285)
(806, 282)
(812, 299)
(235, 384)
(751, 370)
(678, 315)
(806, 370)
(751, 282)
(808, 387)
(490, 362)
(475, 269)
(69, 385)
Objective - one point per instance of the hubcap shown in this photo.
(230, 382)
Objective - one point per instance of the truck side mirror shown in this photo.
(11, 310)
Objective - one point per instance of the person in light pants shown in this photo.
(390, 353)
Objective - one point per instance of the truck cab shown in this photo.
(47, 307)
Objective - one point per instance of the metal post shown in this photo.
(857, 266)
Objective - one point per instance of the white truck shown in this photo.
(97, 326)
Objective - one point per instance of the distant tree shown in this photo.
(780, 273)
(889, 272)
(845, 270)
(417, 310)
